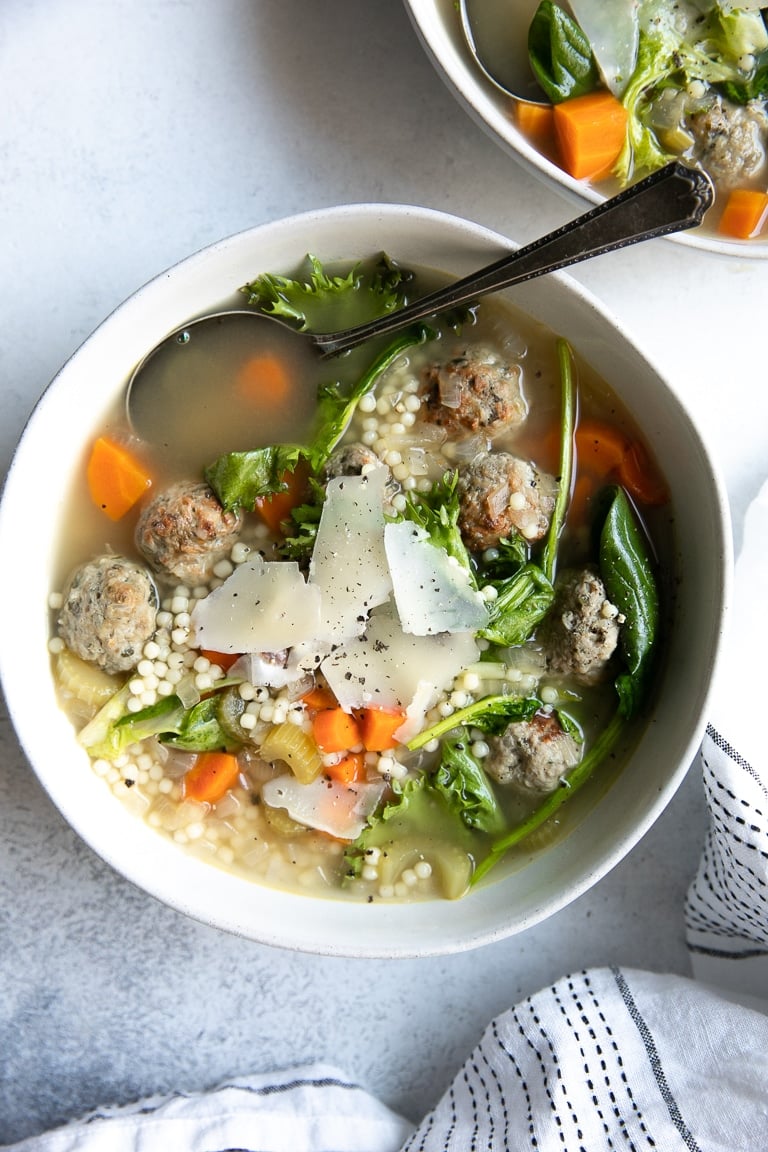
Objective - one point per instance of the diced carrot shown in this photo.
(641, 479)
(276, 508)
(378, 727)
(116, 479)
(536, 121)
(319, 697)
(335, 730)
(211, 777)
(600, 447)
(590, 133)
(603, 450)
(225, 660)
(347, 771)
(265, 381)
(745, 213)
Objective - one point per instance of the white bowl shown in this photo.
(439, 29)
(52, 447)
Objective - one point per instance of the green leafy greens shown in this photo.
(626, 567)
(437, 512)
(322, 301)
(560, 54)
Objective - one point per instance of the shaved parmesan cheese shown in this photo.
(424, 698)
(613, 32)
(349, 564)
(432, 591)
(262, 607)
(386, 666)
(340, 809)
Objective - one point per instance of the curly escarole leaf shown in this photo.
(560, 54)
(323, 302)
(626, 567)
(240, 478)
(465, 787)
(437, 512)
(523, 600)
(418, 823)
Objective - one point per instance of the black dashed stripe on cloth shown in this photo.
(510, 1056)
(655, 1062)
(485, 1112)
(622, 1075)
(728, 898)
(722, 876)
(558, 1074)
(497, 1105)
(583, 1052)
(735, 756)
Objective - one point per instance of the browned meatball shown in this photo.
(581, 631)
(472, 393)
(730, 140)
(500, 495)
(532, 755)
(349, 460)
(109, 611)
(184, 532)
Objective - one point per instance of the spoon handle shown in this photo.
(670, 200)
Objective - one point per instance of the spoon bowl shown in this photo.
(491, 31)
(672, 199)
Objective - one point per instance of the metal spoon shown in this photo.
(671, 200)
(496, 32)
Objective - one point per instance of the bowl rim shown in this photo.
(483, 102)
(174, 865)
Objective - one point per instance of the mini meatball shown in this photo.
(108, 613)
(184, 532)
(581, 631)
(532, 755)
(730, 141)
(501, 494)
(474, 394)
(349, 460)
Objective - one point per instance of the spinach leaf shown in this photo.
(199, 729)
(560, 54)
(463, 784)
(756, 88)
(522, 601)
(626, 567)
(335, 409)
(195, 729)
(490, 714)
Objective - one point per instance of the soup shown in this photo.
(635, 86)
(396, 623)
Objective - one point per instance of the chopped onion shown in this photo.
(449, 388)
(187, 691)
